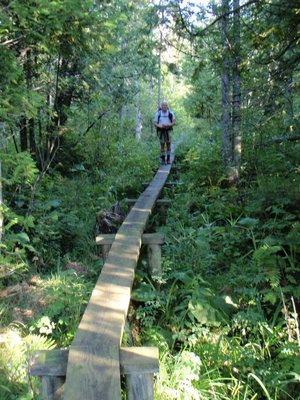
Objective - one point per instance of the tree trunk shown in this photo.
(151, 86)
(138, 125)
(66, 70)
(23, 133)
(236, 110)
(150, 103)
(28, 70)
(159, 97)
(64, 95)
(226, 131)
(31, 136)
(289, 103)
(159, 74)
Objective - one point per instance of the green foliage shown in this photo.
(73, 71)
(15, 352)
(177, 376)
(229, 253)
(19, 176)
(65, 298)
(18, 170)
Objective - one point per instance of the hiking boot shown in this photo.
(168, 160)
(163, 160)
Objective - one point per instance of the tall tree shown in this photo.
(225, 82)
(236, 91)
(138, 124)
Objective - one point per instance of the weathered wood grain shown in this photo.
(51, 366)
(139, 386)
(132, 360)
(154, 260)
(159, 202)
(93, 370)
(147, 238)
(52, 387)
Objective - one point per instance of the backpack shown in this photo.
(170, 115)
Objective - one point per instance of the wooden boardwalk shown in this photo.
(93, 370)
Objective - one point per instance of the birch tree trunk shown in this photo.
(149, 110)
(236, 93)
(159, 73)
(138, 124)
(226, 131)
(159, 97)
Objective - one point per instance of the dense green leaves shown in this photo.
(230, 277)
(73, 76)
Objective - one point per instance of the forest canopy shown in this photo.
(80, 84)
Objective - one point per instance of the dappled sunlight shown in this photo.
(141, 210)
(205, 265)
(94, 356)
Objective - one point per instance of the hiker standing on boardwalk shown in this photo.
(164, 120)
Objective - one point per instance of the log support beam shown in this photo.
(153, 241)
(138, 364)
(159, 202)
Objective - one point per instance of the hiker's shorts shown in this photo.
(165, 136)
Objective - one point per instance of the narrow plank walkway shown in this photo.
(93, 370)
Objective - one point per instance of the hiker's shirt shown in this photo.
(162, 118)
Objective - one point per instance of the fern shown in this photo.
(14, 357)
(268, 261)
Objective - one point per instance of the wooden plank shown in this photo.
(49, 362)
(138, 362)
(132, 359)
(139, 359)
(153, 238)
(172, 184)
(93, 367)
(169, 184)
(147, 238)
(159, 202)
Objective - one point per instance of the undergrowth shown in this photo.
(224, 311)
(225, 316)
(49, 261)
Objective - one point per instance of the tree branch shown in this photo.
(280, 139)
(11, 41)
(202, 31)
(100, 116)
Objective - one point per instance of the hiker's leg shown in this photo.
(162, 152)
(168, 152)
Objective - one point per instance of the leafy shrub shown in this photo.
(15, 352)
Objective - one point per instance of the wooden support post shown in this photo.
(153, 241)
(138, 364)
(139, 386)
(154, 260)
(53, 387)
(105, 250)
(51, 367)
